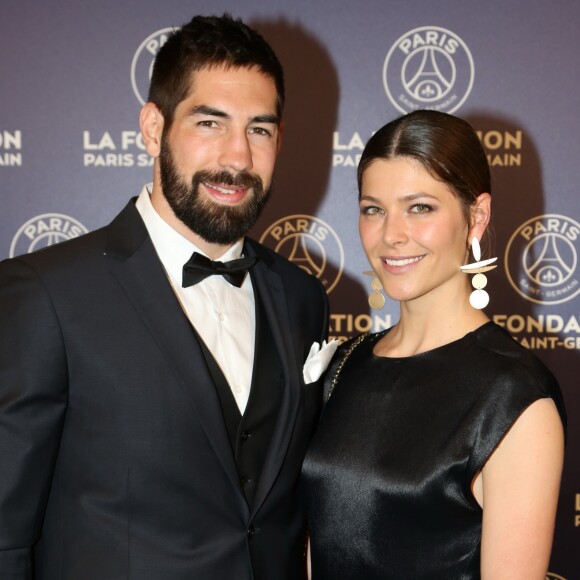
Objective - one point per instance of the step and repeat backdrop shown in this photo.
(73, 76)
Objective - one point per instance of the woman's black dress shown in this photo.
(388, 475)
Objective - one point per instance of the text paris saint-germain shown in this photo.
(10, 148)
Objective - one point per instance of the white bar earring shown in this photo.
(479, 298)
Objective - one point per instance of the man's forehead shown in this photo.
(224, 82)
(226, 72)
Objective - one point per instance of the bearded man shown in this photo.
(153, 410)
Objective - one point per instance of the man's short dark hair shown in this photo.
(206, 42)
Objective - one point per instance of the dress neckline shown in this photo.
(470, 336)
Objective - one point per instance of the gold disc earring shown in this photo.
(376, 299)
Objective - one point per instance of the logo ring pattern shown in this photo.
(428, 67)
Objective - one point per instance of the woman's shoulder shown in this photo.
(513, 371)
(511, 379)
(509, 357)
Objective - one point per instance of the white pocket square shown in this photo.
(318, 359)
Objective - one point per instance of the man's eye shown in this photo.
(261, 131)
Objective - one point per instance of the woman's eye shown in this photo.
(370, 210)
(421, 208)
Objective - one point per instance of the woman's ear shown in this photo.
(480, 216)
(151, 122)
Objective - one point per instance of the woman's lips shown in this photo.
(400, 264)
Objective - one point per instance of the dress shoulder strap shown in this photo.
(342, 362)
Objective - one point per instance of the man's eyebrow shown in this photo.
(213, 112)
(210, 111)
(274, 119)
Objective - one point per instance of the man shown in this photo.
(154, 416)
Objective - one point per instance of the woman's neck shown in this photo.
(429, 322)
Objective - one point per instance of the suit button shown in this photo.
(245, 436)
(251, 531)
(245, 481)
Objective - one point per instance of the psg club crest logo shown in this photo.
(45, 230)
(541, 259)
(142, 64)
(311, 244)
(428, 68)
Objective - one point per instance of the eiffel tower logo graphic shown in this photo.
(428, 83)
(301, 255)
(544, 262)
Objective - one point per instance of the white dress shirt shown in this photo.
(222, 314)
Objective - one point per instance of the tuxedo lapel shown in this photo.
(133, 261)
(273, 297)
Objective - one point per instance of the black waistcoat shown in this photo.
(250, 434)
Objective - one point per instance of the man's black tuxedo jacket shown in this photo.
(115, 462)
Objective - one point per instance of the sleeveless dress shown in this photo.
(387, 478)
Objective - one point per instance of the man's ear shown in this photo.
(480, 216)
(151, 122)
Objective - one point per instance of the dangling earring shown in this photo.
(479, 298)
(376, 299)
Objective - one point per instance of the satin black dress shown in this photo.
(388, 475)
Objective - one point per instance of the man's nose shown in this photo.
(236, 153)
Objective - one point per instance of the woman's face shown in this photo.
(413, 231)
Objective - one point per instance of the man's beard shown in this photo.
(215, 223)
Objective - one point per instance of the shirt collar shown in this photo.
(171, 247)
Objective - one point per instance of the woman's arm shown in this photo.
(308, 561)
(519, 486)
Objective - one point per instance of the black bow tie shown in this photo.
(198, 268)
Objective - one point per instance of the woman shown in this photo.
(439, 452)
